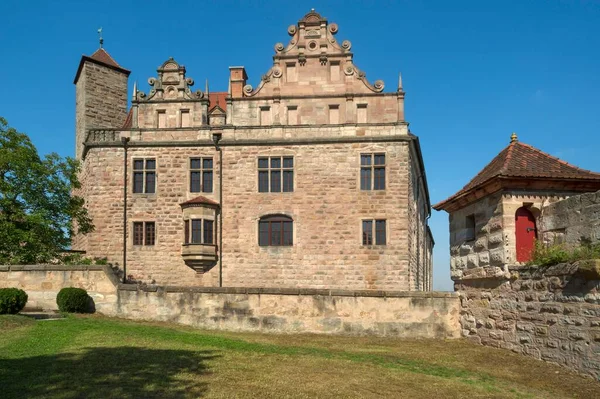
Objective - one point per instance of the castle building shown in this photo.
(311, 179)
(497, 217)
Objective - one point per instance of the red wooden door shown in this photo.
(526, 233)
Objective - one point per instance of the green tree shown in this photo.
(38, 213)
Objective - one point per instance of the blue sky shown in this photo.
(474, 71)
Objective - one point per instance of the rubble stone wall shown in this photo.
(572, 219)
(550, 313)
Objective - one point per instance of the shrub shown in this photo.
(552, 254)
(73, 300)
(12, 300)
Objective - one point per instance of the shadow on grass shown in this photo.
(123, 372)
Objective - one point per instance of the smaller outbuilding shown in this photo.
(496, 218)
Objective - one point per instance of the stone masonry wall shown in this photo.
(550, 313)
(381, 313)
(572, 219)
(327, 206)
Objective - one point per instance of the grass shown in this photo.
(96, 357)
(553, 254)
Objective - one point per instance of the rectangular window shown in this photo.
(378, 236)
(184, 116)
(265, 116)
(275, 174)
(208, 231)
(334, 71)
(275, 230)
(144, 233)
(290, 72)
(186, 231)
(470, 227)
(201, 175)
(372, 171)
(196, 231)
(144, 176)
(334, 114)
(361, 113)
(292, 115)
(161, 119)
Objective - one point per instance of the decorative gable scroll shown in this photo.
(171, 84)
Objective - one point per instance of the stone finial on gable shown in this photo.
(171, 84)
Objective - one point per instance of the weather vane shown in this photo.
(100, 37)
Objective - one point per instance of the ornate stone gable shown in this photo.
(313, 56)
(170, 84)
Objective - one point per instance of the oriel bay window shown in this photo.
(199, 231)
(201, 175)
(372, 171)
(275, 230)
(275, 174)
(144, 175)
(374, 232)
(144, 233)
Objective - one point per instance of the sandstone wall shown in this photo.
(470, 256)
(327, 206)
(550, 313)
(382, 313)
(572, 219)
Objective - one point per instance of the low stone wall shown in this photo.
(381, 313)
(572, 219)
(550, 313)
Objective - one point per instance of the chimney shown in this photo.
(238, 77)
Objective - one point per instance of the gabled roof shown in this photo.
(522, 161)
(200, 200)
(217, 99)
(128, 120)
(100, 57)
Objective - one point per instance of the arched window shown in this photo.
(275, 230)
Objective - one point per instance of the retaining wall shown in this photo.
(381, 313)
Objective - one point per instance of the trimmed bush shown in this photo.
(73, 300)
(12, 300)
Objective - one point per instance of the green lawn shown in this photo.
(96, 357)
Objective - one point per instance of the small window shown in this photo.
(334, 71)
(201, 175)
(292, 115)
(144, 176)
(275, 174)
(374, 232)
(470, 227)
(290, 72)
(372, 172)
(199, 231)
(184, 120)
(265, 116)
(361, 113)
(144, 233)
(276, 231)
(334, 114)
(161, 119)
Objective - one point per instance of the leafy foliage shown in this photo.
(73, 300)
(12, 300)
(553, 254)
(38, 213)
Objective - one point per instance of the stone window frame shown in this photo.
(281, 169)
(144, 241)
(201, 170)
(262, 122)
(329, 110)
(144, 172)
(188, 224)
(470, 227)
(276, 219)
(365, 107)
(158, 113)
(374, 230)
(185, 111)
(372, 168)
(287, 115)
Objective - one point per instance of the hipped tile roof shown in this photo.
(102, 56)
(520, 160)
(217, 99)
(199, 200)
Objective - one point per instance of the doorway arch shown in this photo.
(525, 234)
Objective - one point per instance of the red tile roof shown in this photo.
(128, 120)
(199, 200)
(217, 99)
(102, 56)
(520, 160)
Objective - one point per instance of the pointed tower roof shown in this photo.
(100, 57)
(520, 162)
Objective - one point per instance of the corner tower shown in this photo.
(101, 95)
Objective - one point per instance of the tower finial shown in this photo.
(229, 88)
(399, 81)
(206, 88)
(513, 137)
(100, 37)
(134, 96)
